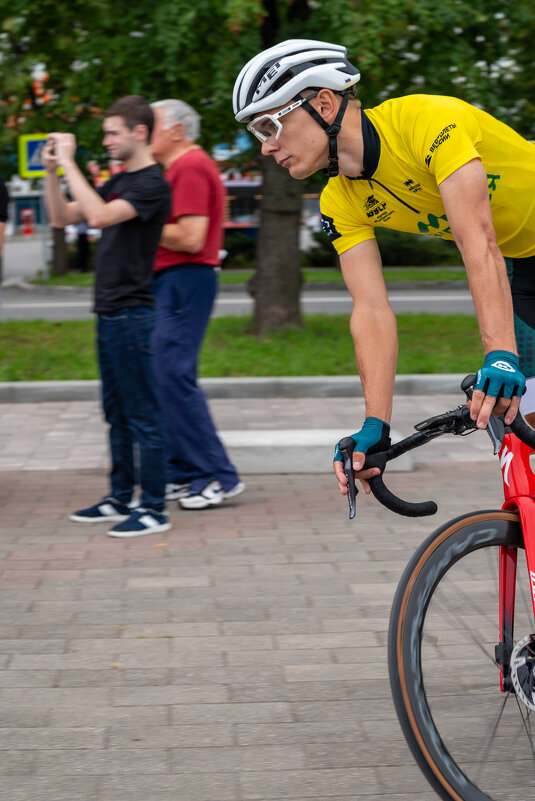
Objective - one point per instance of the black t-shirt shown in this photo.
(125, 254)
(4, 199)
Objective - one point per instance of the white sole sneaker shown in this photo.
(175, 491)
(129, 534)
(107, 519)
(237, 489)
(211, 495)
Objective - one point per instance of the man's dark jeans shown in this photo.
(195, 454)
(131, 405)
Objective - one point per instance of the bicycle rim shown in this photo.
(472, 742)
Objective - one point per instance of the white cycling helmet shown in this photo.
(278, 74)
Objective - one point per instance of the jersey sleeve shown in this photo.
(340, 220)
(444, 135)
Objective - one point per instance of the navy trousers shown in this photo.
(184, 299)
(131, 407)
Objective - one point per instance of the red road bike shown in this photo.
(461, 645)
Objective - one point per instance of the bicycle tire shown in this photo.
(471, 741)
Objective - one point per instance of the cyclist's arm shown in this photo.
(374, 332)
(466, 202)
(187, 234)
(373, 327)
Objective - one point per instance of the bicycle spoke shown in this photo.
(464, 610)
(469, 632)
(526, 720)
(492, 734)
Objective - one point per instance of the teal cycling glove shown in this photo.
(373, 436)
(500, 376)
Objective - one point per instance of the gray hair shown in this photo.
(176, 111)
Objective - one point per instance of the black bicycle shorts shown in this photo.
(521, 274)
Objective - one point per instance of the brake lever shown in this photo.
(496, 425)
(347, 446)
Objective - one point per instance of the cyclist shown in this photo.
(426, 164)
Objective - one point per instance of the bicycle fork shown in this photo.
(519, 492)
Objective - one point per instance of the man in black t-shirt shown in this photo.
(131, 208)
(4, 200)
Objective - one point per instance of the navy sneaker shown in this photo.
(141, 521)
(108, 510)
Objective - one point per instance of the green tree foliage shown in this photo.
(477, 50)
(97, 50)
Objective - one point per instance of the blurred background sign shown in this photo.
(30, 158)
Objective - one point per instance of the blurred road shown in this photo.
(75, 304)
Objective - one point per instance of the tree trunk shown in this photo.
(59, 253)
(277, 282)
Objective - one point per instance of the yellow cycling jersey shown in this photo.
(415, 143)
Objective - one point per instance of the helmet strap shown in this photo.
(331, 130)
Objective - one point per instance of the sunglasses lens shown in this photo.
(264, 128)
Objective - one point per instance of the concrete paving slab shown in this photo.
(259, 684)
(270, 435)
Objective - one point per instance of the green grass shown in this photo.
(38, 350)
(314, 275)
(424, 274)
(70, 279)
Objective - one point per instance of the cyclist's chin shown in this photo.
(300, 171)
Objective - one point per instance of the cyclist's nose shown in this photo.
(269, 146)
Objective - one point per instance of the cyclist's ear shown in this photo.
(326, 104)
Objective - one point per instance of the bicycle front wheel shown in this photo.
(472, 741)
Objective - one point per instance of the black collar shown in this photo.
(371, 147)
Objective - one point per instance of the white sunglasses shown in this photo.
(268, 125)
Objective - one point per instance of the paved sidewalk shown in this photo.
(239, 657)
(261, 433)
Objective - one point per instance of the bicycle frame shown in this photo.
(519, 492)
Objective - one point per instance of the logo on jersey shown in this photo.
(412, 186)
(328, 226)
(491, 179)
(435, 226)
(374, 208)
(370, 202)
(443, 136)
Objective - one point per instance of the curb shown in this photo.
(239, 388)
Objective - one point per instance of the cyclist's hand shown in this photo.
(362, 475)
(498, 388)
(373, 436)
